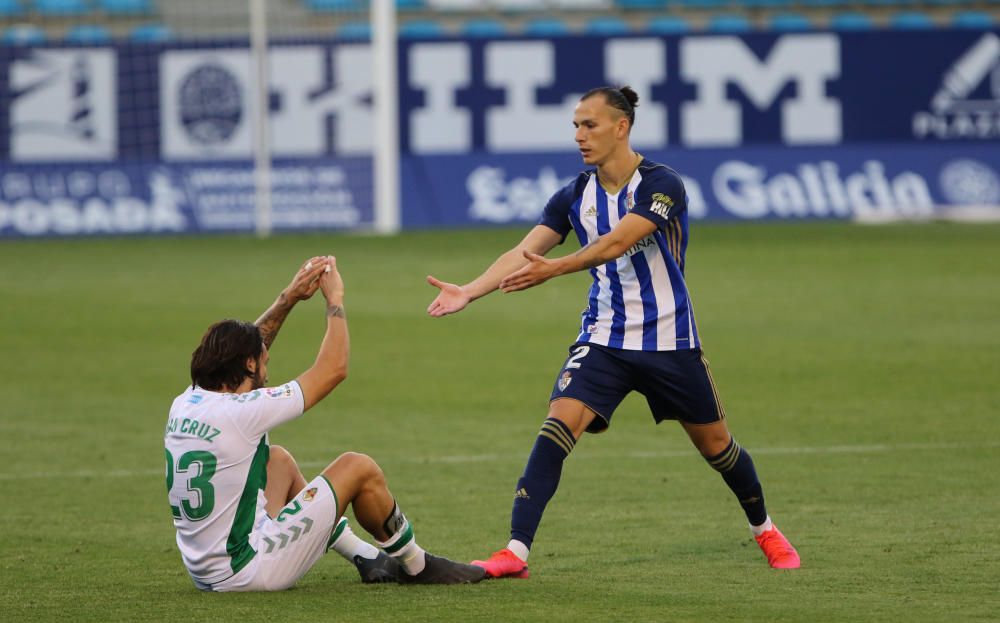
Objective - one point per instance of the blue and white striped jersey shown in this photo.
(640, 300)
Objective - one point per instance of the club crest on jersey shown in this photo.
(629, 201)
(661, 204)
(285, 391)
(309, 494)
(565, 380)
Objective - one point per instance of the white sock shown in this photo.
(348, 545)
(762, 528)
(520, 549)
(403, 547)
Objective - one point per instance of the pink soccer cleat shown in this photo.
(504, 564)
(780, 553)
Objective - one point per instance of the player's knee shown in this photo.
(574, 414)
(712, 442)
(718, 442)
(362, 468)
(282, 459)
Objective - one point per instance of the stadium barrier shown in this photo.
(156, 138)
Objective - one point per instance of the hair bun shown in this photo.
(630, 95)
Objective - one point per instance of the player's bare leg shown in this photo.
(567, 420)
(726, 456)
(710, 439)
(360, 482)
(284, 480)
(573, 413)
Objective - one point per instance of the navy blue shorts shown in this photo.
(676, 383)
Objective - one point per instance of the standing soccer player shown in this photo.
(638, 331)
(246, 518)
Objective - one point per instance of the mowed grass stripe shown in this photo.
(594, 456)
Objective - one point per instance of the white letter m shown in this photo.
(711, 63)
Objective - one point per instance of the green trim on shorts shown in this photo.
(336, 502)
(339, 527)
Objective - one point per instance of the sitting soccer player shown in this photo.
(246, 518)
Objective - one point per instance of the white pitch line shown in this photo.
(485, 458)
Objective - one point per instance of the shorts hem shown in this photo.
(336, 501)
(721, 419)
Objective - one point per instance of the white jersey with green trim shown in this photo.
(217, 451)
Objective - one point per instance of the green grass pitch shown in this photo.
(859, 365)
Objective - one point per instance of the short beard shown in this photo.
(258, 380)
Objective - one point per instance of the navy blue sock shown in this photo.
(736, 467)
(540, 479)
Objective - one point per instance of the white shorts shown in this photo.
(291, 543)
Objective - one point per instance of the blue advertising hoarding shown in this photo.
(138, 138)
(752, 183)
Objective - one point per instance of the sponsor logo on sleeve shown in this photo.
(285, 391)
(661, 204)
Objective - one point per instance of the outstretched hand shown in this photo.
(450, 299)
(538, 271)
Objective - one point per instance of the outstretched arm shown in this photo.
(330, 368)
(453, 298)
(612, 245)
(304, 284)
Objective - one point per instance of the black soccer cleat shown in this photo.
(378, 570)
(443, 571)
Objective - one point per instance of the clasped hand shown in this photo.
(537, 271)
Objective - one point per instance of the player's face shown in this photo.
(598, 129)
(260, 374)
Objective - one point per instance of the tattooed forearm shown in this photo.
(271, 320)
(335, 311)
